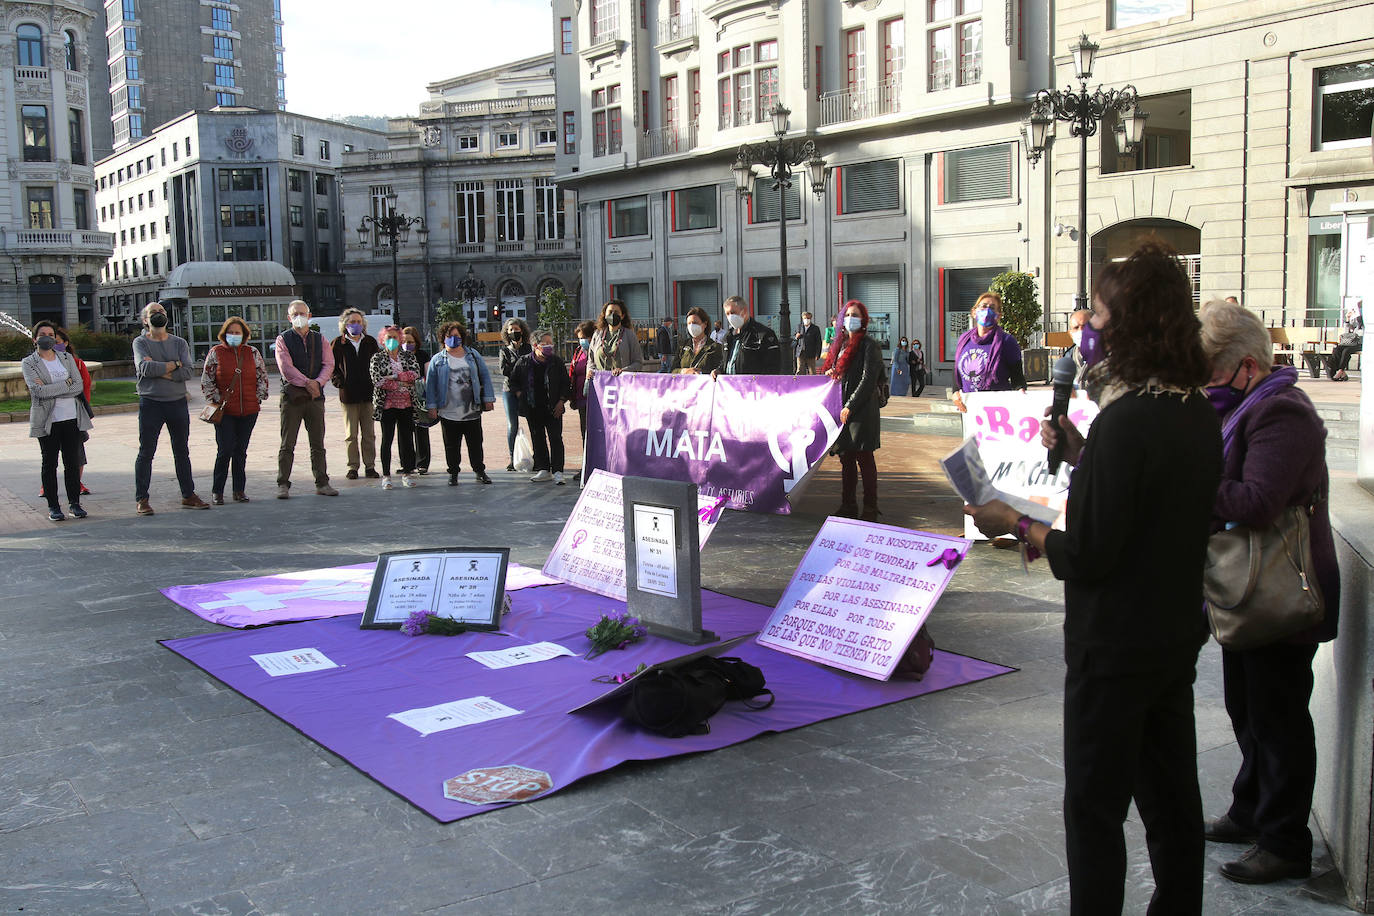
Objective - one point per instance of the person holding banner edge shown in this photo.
(1131, 558)
(751, 348)
(856, 362)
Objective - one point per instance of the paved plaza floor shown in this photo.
(134, 783)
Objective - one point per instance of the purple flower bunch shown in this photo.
(421, 622)
(614, 633)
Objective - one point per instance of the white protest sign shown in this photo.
(293, 661)
(455, 714)
(860, 594)
(1006, 426)
(590, 551)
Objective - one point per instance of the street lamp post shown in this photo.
(394, 226)
(472, 288)
(1083, 112)
(779, 157)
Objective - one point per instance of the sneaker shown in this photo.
(558, 479)
(85, 490)
(77, 511)
(194, 502)
(352, 474)
(407, 481)
(541, 477)
(55, 515)
(481, 477)
(372, 474)
(283, 492)
(386, 483)
(326, 490)
(453, 480)
(142, 507)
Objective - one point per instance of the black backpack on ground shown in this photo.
(678, 701)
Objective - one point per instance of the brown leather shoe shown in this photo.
(194, 502)
(217, 498)
(143, 508)
(1224, 830)
(240, 498)
(1260, 866)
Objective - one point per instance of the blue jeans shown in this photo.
(231, 438)
(152, 416)
(512, 421)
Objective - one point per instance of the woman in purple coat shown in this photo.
(1274, 448)
(986, 358)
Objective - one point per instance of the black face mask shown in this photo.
(157, 320)
(45, 342)
(613, 319)
(516, 336)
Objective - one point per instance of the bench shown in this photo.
(1310, 344)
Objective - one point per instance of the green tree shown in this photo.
(1020, 305)
(553, 308)
(452, 310)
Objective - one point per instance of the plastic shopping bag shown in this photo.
(524, 453)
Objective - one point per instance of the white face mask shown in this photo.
(1077, 336)
(695, 329)
(300, 321)
(852, 323)
(736, 320)
(806, 322)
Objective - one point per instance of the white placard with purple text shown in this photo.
(860, 594)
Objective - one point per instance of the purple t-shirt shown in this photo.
(979, 369)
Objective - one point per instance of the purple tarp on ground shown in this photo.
(309, 594)
(345, 709)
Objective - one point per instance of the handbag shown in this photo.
(1259, 584)
(213, 413)
(296, 395)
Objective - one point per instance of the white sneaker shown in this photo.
(558, 479)
(541, 477)
(386, 483)
(407, 480)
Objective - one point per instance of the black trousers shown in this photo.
(231, 444)
(1267, 692)
(1339, 359)
(398, 423)
(1131, 735)
(422, 448)
(455, 432)
(546, 438)
(64, 440)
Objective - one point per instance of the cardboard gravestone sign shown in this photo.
(662, 558)
(467, 584)
(860, 594)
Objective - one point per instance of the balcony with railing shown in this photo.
(740, 117)
(513, 105)
(57, 241)
(665, 141)
(857, 104)
(674, 30)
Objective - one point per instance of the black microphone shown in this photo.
(1064, 372)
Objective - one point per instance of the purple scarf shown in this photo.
(994, 353)
(1281, 379)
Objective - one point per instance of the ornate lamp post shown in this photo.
(779, 157)
(394, 226)
(472, 288)
(1083, 111)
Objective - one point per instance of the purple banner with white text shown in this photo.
(750, 438)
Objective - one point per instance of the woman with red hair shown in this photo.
(856, 362)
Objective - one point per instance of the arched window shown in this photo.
(30, 45)
(69, 46)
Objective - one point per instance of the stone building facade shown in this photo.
(48, 229)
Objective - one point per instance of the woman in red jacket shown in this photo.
(235, 376)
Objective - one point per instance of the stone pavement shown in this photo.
(134, 783)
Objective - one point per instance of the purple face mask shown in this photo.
(354, 328)
(1224, 398)
(1091, 345)
(408, 347)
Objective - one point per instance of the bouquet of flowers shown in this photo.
(421, 622)
(614, 633)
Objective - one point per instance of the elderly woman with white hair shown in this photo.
(1274, 447)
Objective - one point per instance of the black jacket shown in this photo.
(857, 392)
(352, 368)
(808, 345)
(550, 385)
(510, 356)
(759, 353)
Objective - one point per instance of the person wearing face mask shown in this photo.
(541, 384)
(457, 391)
(395, 397)
(411, 343)
(615, 346)
(305, 365)
(899, 373)
(1274, 448)
(855, 361)
(700, 354)
(64, 345)
(806, 346)
(577, 373)
(986, 358)
(515, 343)
(916, 364)
(353, 350)
(58, 414)
(234, 375)
(751, 347)
(163, 364)
(1131, 557)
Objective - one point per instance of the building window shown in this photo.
(30, 46)
(894, 53)
(131, 68)
(507, 140)
(224, 74)
(297, 213)
(130, 38)
(136, 100)
(565, 28)
(221, 18)
(695, 208)
(628, 216)
(295, 180)
(545, 136)
(281, 62)
(670, 102)
(1123, 13)
(1167, 141)
(348, 147)
(130, 10)
(467, 143)
(605, 20)
(248, 214)
(606, 138)
(281, 93)
(955, 29)
(322, 257)
(510, 210)
(548, 207)
(324, 150)
(226, 98)
(472, 211)
(156, 270)
(37, 145)
(637, 301)
(69, 48)
(980, 173)
(570, 133)
(321, 185)
(321, 218)
(40, 207)
(763, 205)
(297, 255)
(140, 201)
(855, 62)
(240, 179)
(81, 208)
(748, 84)
(868, 186)
(1345, 105)
(76, 136)
(694, 93)
(224, 47)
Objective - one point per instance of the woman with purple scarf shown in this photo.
(1274, 448)
(986, 358)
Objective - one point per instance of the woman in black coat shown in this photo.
(856, 362)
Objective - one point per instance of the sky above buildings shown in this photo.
(375, 57)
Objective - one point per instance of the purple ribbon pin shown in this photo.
(950, 557)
